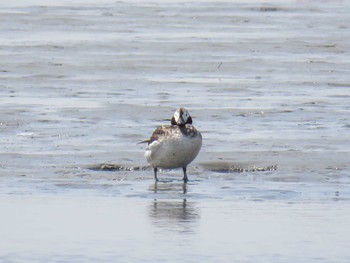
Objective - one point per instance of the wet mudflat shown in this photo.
(267, 84)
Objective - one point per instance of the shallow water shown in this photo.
(266, 82)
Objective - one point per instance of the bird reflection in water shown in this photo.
(169, 187)
(171, 213)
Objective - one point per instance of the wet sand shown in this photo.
(267, 84)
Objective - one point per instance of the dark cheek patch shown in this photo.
(189, 120)
(173, 122)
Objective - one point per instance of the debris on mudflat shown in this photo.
(117, 167)
(232, 168)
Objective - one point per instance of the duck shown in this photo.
(174, 146)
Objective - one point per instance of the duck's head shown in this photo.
(181, 117)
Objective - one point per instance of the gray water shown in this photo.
(266, 82)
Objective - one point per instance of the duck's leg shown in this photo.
(155, 174)
(185, 174)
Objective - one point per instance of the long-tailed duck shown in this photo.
(175, 145)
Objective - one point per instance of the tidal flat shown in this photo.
(267, 84)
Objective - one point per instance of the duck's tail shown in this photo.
(145, 141)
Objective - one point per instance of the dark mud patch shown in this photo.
(270, 9)
(219, 167)
(117, 167)
(223, 167)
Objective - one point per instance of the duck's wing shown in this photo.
(159, 132)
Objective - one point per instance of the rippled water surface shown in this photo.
(266, 82)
